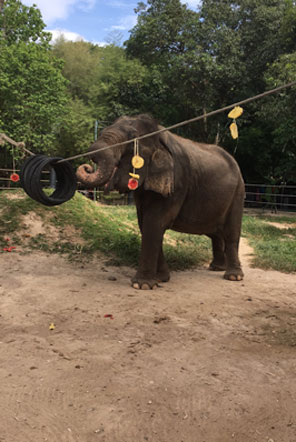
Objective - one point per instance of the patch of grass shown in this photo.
(274, 248)
(102, 228)
(41, 242)
(278, 219)
(188, 251)
(13, 205)
(112, 230)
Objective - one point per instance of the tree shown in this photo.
(32, 88)
(21, 23)
(32, 94)
(213, 57)
(166, 40)
(279, 114)
(165, 28)
(80, 64)
(121, 85)
(75, 131)
(103, 78)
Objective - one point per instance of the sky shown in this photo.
(96, 21)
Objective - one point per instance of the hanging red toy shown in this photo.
(15, 177)
(137, 163)
(132, 184)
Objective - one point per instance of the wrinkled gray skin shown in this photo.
(185, 186)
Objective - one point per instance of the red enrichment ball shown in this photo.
(15, 177)
(132, 184)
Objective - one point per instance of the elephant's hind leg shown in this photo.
(232, 232)
(233, 269)
(219, 257)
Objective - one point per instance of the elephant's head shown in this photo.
(114, 165)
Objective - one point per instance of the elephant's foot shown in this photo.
(163, 276)
(234, 274)
(217, 267)
(163, 271)
(144, 283)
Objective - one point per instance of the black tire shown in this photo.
(30, 178)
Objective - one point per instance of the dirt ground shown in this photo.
(199, 360)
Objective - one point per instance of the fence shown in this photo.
(5, 181)
(259, 196)
(271, 197)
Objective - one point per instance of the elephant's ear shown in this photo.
(160, 173)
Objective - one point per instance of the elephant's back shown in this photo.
(204, 159)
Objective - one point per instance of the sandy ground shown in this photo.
(199, 360)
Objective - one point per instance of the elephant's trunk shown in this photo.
(94, 178)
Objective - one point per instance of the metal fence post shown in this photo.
(95, 138)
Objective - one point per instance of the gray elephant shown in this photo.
(183, 185)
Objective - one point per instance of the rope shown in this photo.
(19, 145)
(183, 123)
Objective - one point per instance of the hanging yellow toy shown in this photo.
(235, 113)
(137, 163)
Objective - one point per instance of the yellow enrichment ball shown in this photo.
(236, 112)
(137, 162)
(234, 131)
(134, 175)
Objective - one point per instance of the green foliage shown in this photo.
(32, 94)
(75, 131)
(288, 28)
(32, 88)
(81, 61)
(103, 84)
(178, 63)
(166, 39)
(20, 23)
(120, 84)
(213, 57)
(165, 28)
(103, 78)
(279, 114)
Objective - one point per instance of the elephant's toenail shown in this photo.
(232, 278)
(136, 285)
(145, 287)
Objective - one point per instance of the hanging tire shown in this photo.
(30, 179)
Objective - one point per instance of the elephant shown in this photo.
(183, 185)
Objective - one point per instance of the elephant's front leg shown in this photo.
(151, 256)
